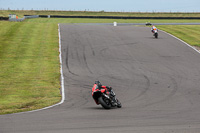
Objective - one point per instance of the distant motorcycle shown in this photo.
(105, 96)
(154, 30)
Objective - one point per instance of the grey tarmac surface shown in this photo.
(156, 80)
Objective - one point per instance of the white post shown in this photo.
(115, 23)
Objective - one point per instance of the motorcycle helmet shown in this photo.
(98, 84)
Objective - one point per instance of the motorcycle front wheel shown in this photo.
(105, 103)
(119, 105)
(156, 35)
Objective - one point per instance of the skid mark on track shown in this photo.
(93, 52)
(67, 61)
(144, 90)
(85, 60)
(172, 93)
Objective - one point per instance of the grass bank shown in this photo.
(29, 64)
(187, 33)
(87, 20)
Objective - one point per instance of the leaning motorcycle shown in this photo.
(104, 98)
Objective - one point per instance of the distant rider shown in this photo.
(153, 29)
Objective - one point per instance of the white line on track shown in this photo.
(62, 81)
(61, 69)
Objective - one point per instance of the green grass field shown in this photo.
(29, 66)
(87, 20)
(187, 33)
(29, 59)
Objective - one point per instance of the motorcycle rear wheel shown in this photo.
(105, 103)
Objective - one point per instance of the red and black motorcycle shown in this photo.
(105, 96)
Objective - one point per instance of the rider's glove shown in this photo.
(109, 88)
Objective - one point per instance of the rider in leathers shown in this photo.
(108, 89)
(153, 29)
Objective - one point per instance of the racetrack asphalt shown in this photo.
(156, 80)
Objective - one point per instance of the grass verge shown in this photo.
(87, 20)
(187, 33)
(29, 64)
